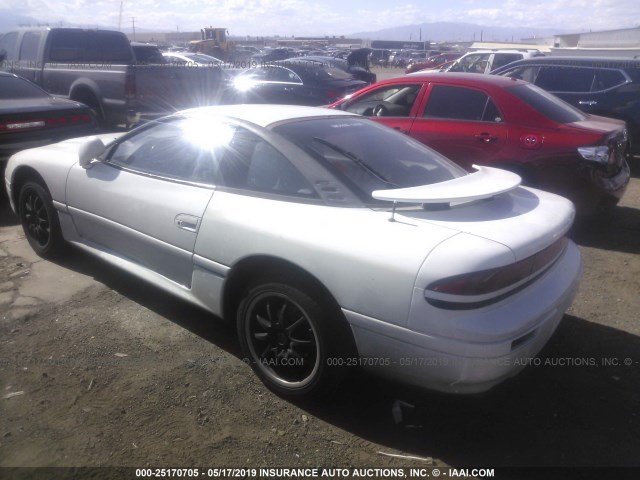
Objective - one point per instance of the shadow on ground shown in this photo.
(617, 230)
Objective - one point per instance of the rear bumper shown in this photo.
(446, 364)
(587, 186)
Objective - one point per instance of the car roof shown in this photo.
(583, 61)
(462, 78)
(504, 50)
(266, 115)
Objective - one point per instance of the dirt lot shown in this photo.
(98, 369)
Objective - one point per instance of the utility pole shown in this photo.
(133, 22)
(120, 16)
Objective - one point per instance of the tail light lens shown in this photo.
(34, 124)
(19, 125)
(496, 280)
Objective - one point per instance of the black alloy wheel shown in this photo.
(39, 220)
(284, 332)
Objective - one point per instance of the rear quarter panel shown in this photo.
(368, 263)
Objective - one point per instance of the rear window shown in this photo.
(90, 46)
(608, 78)
(565, 79)
(148, 54)
(547, 104)
(12, 88)
(368, 156)
(29, 47)
(8, 44)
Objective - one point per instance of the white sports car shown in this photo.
(330, 240)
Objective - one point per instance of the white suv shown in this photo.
(484, 61)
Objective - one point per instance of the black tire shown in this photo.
(92, 102)
(295, 342)
(40, 220)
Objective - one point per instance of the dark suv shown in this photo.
(603, 86)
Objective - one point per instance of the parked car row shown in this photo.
(299, 81)
(430, 63)
(99, 68)
(601, 86)
(508, 123)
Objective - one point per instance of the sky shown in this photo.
(329, 17)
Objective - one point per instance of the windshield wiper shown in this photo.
(356, 160)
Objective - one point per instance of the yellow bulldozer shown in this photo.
(214, 42)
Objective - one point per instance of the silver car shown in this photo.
(333, 242)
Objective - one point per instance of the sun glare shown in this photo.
(207, 134)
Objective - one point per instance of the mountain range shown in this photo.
(435, 32)
(456, 32)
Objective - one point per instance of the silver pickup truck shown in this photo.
(98, 68)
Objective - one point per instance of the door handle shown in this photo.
(187, 222)
(401, 130)
(486, 137)
(588, 102)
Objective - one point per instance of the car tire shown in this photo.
(295, 342)
(39, 220)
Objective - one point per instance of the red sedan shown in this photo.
(509, 123)
(435, 62)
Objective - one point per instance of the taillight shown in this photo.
(495, 280)
(22, 125)
(16, 126)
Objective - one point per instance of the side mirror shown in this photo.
(89, 150)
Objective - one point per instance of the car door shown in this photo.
(589, 89)
(145, 200)
(462, 123)
(394, 105)
(281, 86)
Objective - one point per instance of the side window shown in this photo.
(8, 44)
(501, 59)
(168, 151)
(29, 47)
(476, 63)
(66, 46)
(251, 163)
(554, 78)
(607, 78)
(279, 74)
(459, 103)
(526, 73)
(89, 46)
(393, 101)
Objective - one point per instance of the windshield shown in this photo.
(367, 156)
(547, 104)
